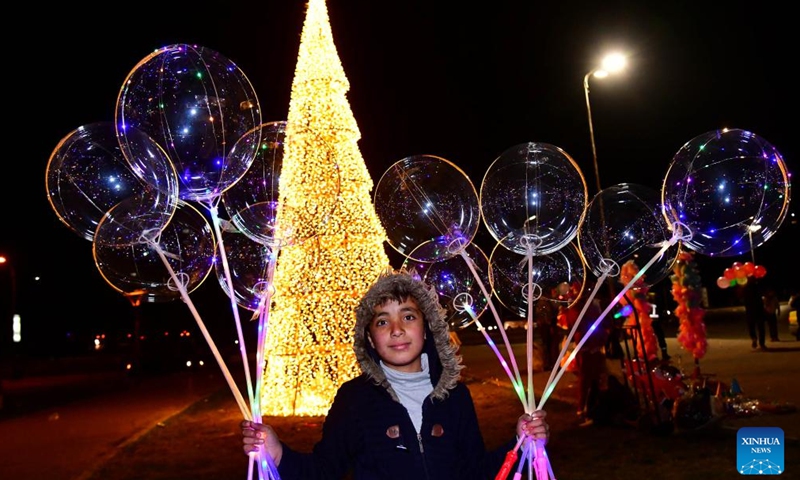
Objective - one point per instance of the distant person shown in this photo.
(754, 313)
(794, 309)
(546, 317)
(772, 309)
(407, 416)
(794, 300)
(592, 371)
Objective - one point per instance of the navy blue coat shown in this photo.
(368, 433)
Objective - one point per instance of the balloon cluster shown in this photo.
(187, 130)
(187, 133)
(738, 273)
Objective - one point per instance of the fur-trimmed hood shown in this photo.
(445, 366)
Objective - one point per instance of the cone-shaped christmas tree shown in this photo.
(335, 241)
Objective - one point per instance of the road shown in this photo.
(69, 441)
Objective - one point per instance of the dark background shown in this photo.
(463, 82)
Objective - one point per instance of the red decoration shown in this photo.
(649, 347)
(686, 291)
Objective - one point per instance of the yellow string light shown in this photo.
(338, 241)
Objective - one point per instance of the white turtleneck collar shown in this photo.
(412, 388)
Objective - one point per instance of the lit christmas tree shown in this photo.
(335, 240)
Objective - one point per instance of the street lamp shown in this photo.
(611, 64)
(13, 276)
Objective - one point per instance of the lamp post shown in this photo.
(4, 262)
(611, 64)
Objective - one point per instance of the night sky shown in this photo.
(461, 82)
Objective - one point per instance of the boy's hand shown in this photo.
(534, 426)
(255, 435)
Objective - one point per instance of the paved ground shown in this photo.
(767, 378)
(67, 438)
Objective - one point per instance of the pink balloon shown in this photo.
(723, 282)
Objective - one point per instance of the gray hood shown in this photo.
(445, 366)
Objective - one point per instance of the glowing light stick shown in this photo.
(499, 323)
(463, 302)
(266, 459)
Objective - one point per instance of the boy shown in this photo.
(407, 416)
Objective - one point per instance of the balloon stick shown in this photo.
(529, 344)
(541, 463)
(232, 297)
(264, 307)
(515, 382)
(272, 470)
(499, 323)
(526, 455)
(185, 296)
(557, 366)
(551, 385)
(508, 463)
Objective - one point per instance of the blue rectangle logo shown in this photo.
(759, 451)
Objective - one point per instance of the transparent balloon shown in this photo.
(129, 260)
(248, 262)
(456, 283)
(625, 223)
(510, 280)
(731, 188)
(533, 195)
(252, 202)
(196, 104)
(428, 206)
(87, 174)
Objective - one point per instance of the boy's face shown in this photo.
(397, 333)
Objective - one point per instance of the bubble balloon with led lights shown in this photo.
(252, 202)
(87, 175)
(533, 195)
(731, 188)
(625, 222)
(249, 263)
(254, 205)
(127, 254)
(455, 282)
(428, 206)
(509, 275)
(195, 103)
